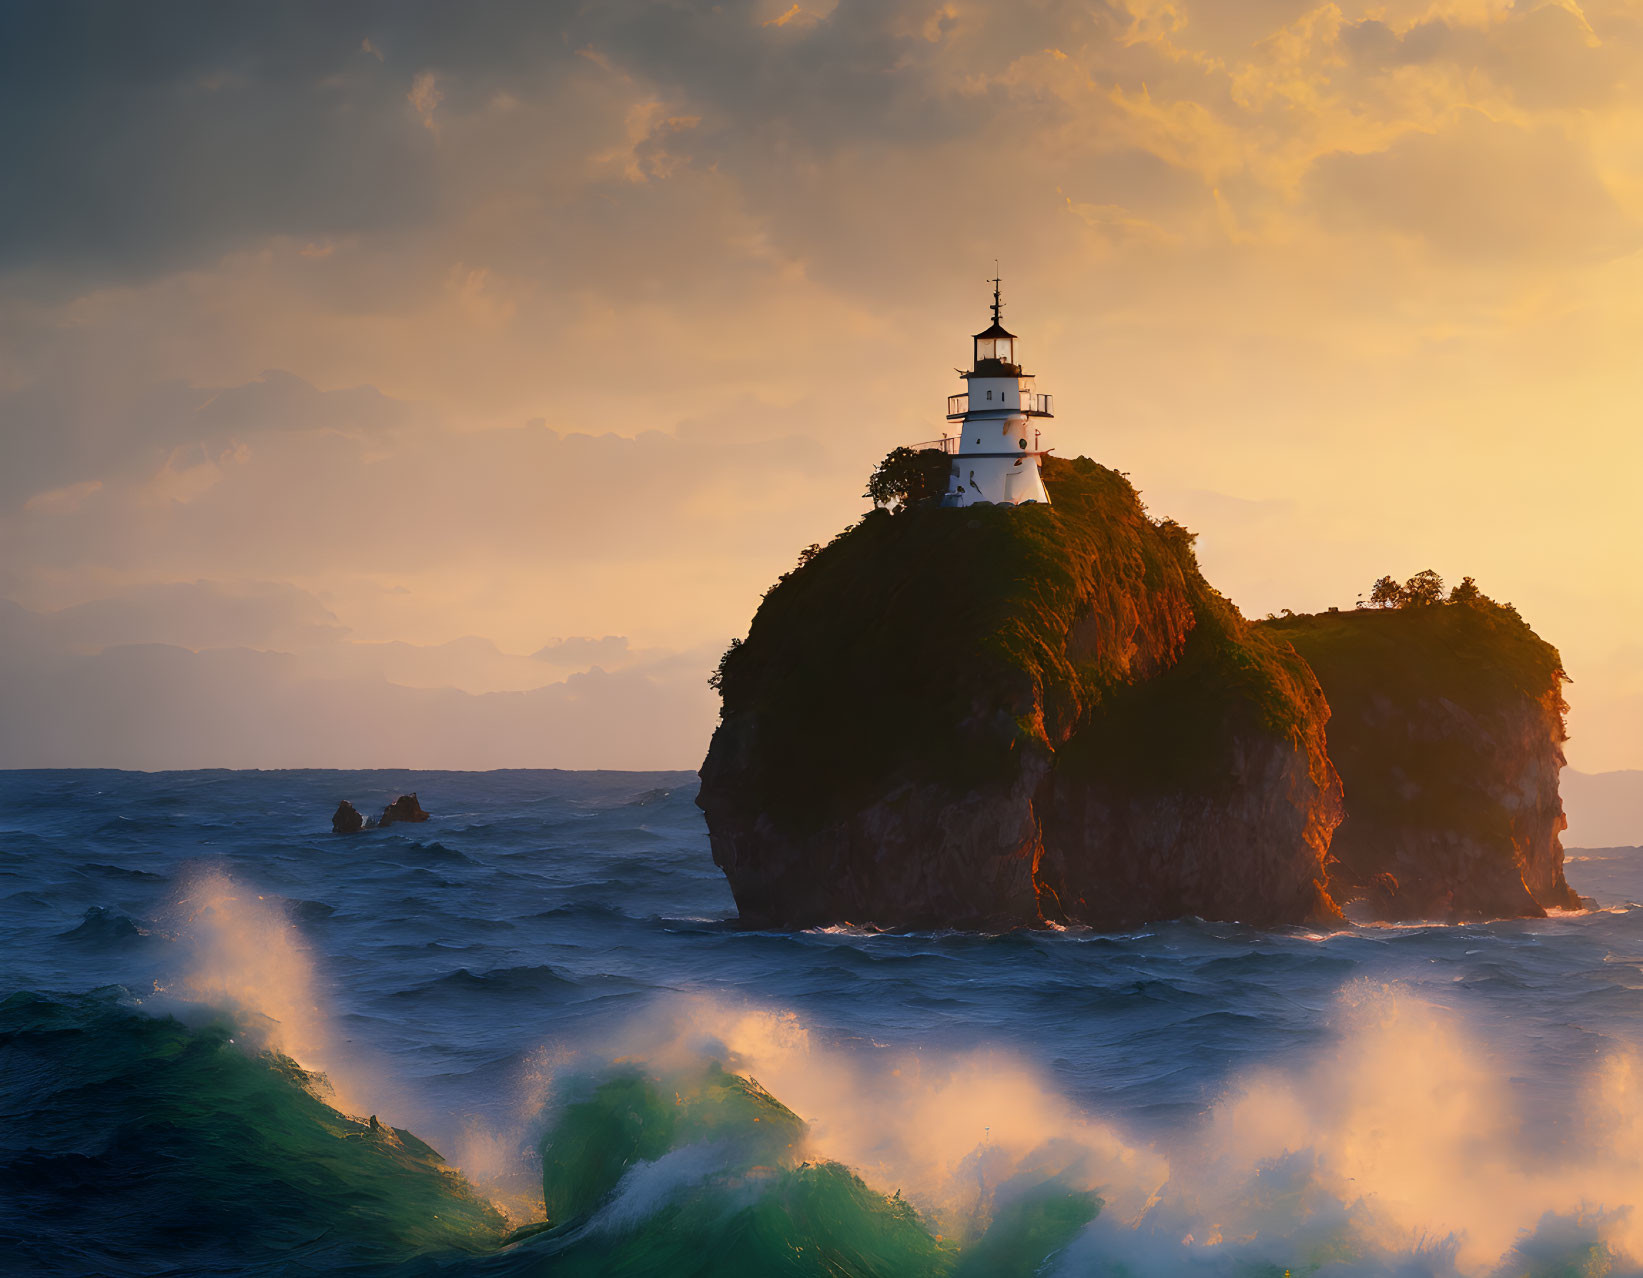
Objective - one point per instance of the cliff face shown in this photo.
(1241, 835)
(1447, 729)
(1001, 715)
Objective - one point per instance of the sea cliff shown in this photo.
(1447, 729)
(1005, 716)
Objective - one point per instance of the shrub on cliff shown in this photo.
(1467, 592)
(908, 476)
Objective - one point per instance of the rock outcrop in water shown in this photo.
(1010, 715)
(346, 819)
(404, 808)
(1447, 729)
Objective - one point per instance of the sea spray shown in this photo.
(1399, 1142)
(239, 954)
(1238, 1077)
(243, 953)
(699, 1171)
(1398, 1148)
(944, 1129)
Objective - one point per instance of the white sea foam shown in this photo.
(243, 954)
(1402, 1148)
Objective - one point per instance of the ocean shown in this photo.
(234, 1043)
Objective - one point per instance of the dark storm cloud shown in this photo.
(871, 70)
(142, 138)
(148, 138)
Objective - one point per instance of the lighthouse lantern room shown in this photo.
(997, 453)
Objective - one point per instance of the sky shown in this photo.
(413, 384)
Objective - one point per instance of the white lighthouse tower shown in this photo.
(996, 455)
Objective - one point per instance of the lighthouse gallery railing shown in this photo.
(1032, 405)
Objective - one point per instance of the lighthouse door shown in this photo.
(1012, 485)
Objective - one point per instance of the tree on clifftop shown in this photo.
(1422, 589)
(907, 476)
(1466, 592)
(1386, 593)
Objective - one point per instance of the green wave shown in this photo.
(739, 1198)
(205, 1151)
(177, 1140)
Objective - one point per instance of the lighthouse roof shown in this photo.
(995, 330)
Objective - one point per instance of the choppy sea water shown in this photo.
(208, 997)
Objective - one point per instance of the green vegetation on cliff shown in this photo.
(935, 644)
(1173, 732)
(1477, 654)
(1445, 726)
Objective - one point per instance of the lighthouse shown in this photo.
(997, 453)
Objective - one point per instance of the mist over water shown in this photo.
(217, 988)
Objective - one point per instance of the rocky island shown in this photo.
(1447, 729)
(1011, 715)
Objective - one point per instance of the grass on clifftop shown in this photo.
(934, 644)
(1404, 767)
(1475, 654)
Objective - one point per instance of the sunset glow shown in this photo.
(378, 390)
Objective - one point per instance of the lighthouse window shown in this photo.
(1023, 443)
(989, 394)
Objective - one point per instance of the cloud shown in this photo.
(149, 141)
(476, 665)
(70, 431)
(1540, 56)
(1480, 190)
(425, 96)
(197, 614)
(277, 479)
(153, 706)
(1353, 259)
(583, 651)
